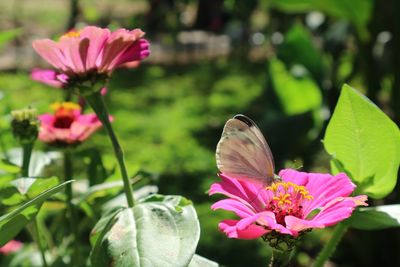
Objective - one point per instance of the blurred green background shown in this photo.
(281, 62)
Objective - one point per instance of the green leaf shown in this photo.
(297, 95)
(153, 233)
(358, 12)
(199, 261)
(9, 228)
(298, 48)
(12, 223)
(376, 218)
(42, 184)
(7, 167)
(18, 190)
(364, 143)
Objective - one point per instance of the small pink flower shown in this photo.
(79, 54)
(67, 126)
(286, 206)
(11, 247)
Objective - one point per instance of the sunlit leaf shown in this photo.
(8, 167)
(376, 218)
(364, 143)
(297, 95)
(159, 231)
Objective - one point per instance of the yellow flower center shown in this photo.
(287, 199)
(64, 114)
(67, 106)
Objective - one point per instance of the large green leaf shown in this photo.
(297, 95)
(364, 143)
(357, 12)
(13, 222)
(298, 48)
(159, 231)
(376, 218)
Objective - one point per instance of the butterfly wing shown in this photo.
(243, 152)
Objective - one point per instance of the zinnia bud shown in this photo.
(25, 125)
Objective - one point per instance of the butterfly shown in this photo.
(243, 153)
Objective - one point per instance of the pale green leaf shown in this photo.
(155, 232)
(364, 143)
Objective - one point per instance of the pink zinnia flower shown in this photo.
(11, 247)
(93, 50)
(67, 126)
(300, 201)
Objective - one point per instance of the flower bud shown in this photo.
(25, 125)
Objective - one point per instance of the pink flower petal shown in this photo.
(251, 232)
(136, 52)
(339, 209)
(97, 38)
(49, 77)
(241, 209)
(50, 52)
(290, 175)
(11, 247)
(75, 53)
(297, 224)
(246, 192)
(46, 119)
(323, 187)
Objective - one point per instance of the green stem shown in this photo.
(330, 247)
(68, 173)
(26, 159)
(97, 103)
(39, 242)
(271, 263)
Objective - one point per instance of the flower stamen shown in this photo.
(287, 199)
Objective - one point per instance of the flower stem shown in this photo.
(26, 159)
(39, 243)
(330, 247)
(68, 173)
(97, 103)
(271, 263)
